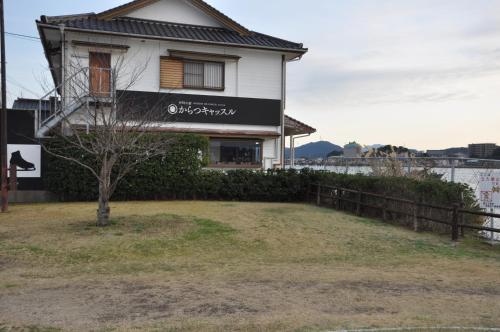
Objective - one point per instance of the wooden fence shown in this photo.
(359, 202)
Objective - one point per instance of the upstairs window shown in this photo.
(191, 74)
(100, 74)
(194, 75)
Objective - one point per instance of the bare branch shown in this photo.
(98, 120)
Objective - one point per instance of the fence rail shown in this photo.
(456, 213)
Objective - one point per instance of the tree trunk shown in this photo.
(103, 210)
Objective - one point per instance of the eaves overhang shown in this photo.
(297, 52)
(47, 52)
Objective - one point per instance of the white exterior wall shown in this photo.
(177, 11)
(271, 153)
(257, 74)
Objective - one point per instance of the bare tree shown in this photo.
(100, 120)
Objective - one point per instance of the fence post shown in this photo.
(384, 208)
(454, 223)
(462, 220)
(334, 200)
(13, 178)
(358, 203)
(318, 195)
(416, 211)
(339, 198)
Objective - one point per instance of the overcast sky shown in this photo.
(424, 74)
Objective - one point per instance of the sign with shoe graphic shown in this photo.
(27, 159)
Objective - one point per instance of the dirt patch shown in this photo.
(81, 306)
(126, 303)
(220, 309)
(5, 263)
(376, 287)
(403, 288)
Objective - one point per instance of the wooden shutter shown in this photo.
(171, 73)
(100, 74)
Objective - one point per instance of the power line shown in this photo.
(21, 35)
(19, 85)
(24, 38)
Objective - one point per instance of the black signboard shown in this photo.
(175, 107)
(24, 148)
(20, 126)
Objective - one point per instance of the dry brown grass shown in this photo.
(214, 266)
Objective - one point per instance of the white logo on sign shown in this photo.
(172, 109)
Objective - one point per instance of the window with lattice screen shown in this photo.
(191, 74)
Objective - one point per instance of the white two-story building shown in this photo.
(212, 75)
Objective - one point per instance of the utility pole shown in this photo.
(3, 117)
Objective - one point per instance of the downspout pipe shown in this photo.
(63, 64)
(292, 149)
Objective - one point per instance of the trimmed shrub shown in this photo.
(164, 177)
(180, 175)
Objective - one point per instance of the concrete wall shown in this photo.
(31, 196)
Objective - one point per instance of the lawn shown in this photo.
(211, 266)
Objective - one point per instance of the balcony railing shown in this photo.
(84, 86)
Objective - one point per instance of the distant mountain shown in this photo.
(314, 150)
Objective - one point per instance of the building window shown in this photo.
(235, 152)
(100, 74)
(204, 75)
(194, 74)
(191, 74)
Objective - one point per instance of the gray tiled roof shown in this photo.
(30, 104)
(296, 127)
(152, 29)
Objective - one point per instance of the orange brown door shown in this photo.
(100, 74)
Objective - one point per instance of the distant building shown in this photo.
(483, 150)
(460, 155)
(437, 153)
(459, 152)
(352, 150)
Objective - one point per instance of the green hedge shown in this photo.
(292, 186)
(180, 175)
(158, 178)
